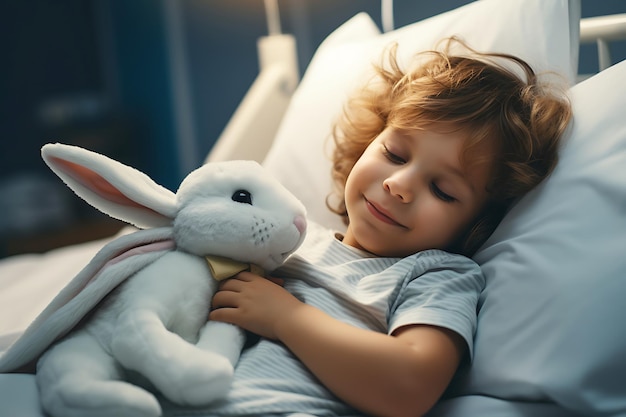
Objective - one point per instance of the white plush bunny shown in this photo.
(136, 316)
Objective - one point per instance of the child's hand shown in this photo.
(253, 303)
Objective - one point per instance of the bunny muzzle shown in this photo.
(237, 210)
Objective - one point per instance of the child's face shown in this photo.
(409, 192)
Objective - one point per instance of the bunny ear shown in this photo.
(118, 190)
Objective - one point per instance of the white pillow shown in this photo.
(551, 324)
(536, 30)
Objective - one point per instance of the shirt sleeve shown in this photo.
(442, 290)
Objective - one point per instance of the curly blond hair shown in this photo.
(478, 92)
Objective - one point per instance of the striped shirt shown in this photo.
(381, 294)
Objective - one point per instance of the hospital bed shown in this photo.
(550, 338)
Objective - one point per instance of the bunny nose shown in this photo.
(300, 223)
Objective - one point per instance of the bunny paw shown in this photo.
(202, 379)
(73, 398)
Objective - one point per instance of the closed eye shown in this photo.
(392, 157)
(437, 192)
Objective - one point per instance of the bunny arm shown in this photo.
(157, 321)
(183, 373)
(81, 295)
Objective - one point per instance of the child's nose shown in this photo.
(399, 187)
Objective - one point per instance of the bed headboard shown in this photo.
(602, 30)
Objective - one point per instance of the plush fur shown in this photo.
(134, 319)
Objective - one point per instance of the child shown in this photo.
(378, 320)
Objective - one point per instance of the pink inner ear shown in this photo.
(96, 183)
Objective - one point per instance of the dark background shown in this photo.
(98, 73)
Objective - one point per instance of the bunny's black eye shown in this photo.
(242, 196)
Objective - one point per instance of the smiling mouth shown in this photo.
(382, 215)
